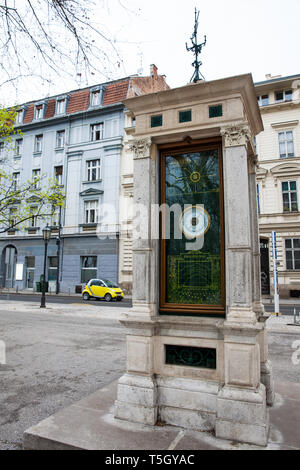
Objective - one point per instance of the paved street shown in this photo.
(286, 309)
(52, 361)
(61, 299)
(60, 355)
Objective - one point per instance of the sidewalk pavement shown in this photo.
(90, 425)
(282, 324)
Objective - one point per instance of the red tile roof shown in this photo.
(29, 114)
(79, 102)
(50, 111)
(115, 93)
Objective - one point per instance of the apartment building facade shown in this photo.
(76, 138)
(278, 182)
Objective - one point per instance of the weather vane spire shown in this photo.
(197, 49)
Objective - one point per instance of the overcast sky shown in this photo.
(258, 36)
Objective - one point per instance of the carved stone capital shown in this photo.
(140, 148)
(236, 135)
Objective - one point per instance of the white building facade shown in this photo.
(278, 182)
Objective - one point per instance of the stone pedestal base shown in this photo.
(137, 400)
(242, 415)
(190, 404)
(268, 381)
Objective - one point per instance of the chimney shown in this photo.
(269, 76)
(153, 71)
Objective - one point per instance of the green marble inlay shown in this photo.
(156, 121)
(204, 358)
(215, 111)
(185, 116)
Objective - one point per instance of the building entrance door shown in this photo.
(265, 267)
(10, 258)
(30, 265)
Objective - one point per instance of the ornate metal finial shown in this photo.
(197, 49)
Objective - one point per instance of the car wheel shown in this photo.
(107, 297)
(86, 296)
(119, 300)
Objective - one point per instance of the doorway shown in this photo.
(10, 259)
(265, 266)
(30, 266)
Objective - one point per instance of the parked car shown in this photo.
(102, 289)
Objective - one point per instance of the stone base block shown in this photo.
(268, 381)
(190, 404)
(242, 415)
(137, 400)
(248, 433)
(187, 419)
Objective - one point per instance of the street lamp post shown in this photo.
(46, 237)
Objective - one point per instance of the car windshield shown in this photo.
(109, 283)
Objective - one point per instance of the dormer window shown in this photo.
(20, 116)
(61, 106)
(95, 97)
(38, 112)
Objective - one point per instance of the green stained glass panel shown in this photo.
(194, 275)
(205, 358)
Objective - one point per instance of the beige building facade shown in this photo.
(278, 182)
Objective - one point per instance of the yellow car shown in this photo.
(102, 289)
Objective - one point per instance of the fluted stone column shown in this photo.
(137, 389)
(241, 405)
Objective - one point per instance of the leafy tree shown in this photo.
(22, 204)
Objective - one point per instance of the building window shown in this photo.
(88, 268)
(60, 139)
(292, 253)
(258, 198)
(91, 212)
(58, 174)
(38, 112)
(93, 170)
(60, 106)
(1, 150)
(12, 216)
(34, 217)
(36, 175)
(263, 100)
(38, 146)
(55, 218)
(52, 268)
(97, 131)
(286, 144)
(289, 196)
(20, 116)
(16, 180)
(283, 96)
(18, 147)
(96, 98)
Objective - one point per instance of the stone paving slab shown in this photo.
(90, 425)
